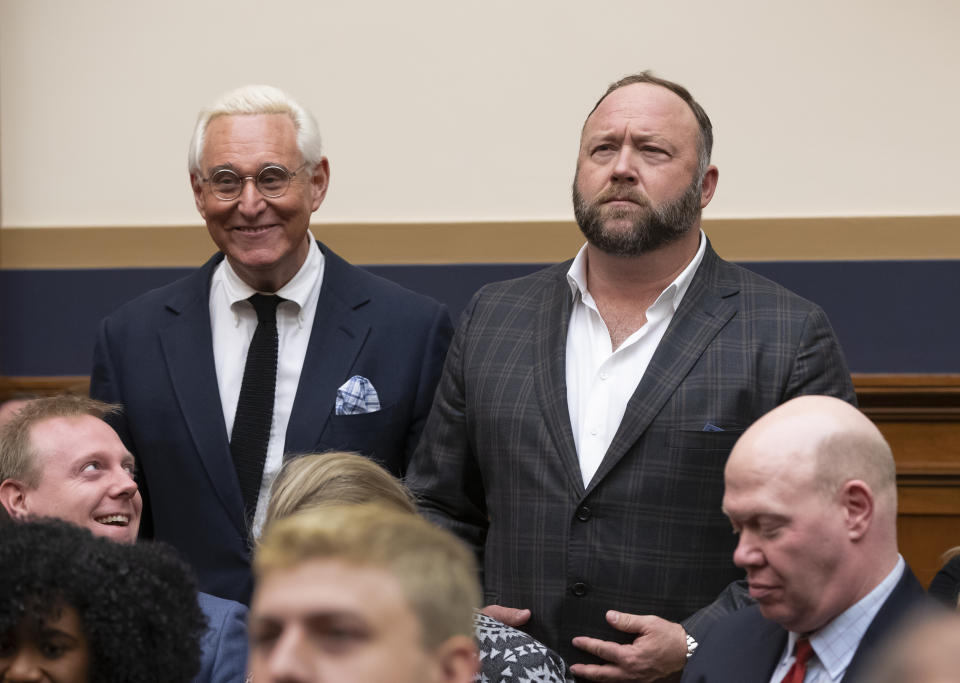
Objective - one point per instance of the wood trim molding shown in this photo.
(836, 238)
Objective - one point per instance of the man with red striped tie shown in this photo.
(811, 491)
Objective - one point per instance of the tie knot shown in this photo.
(266, 306)
(804, 651)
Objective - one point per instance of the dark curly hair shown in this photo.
(137, 603)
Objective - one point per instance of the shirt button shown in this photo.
(579, 589)
(603, 376)
(593, 432)
(583, 513)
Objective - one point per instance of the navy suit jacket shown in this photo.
(745, 648)
(155, 357)
(224, 645)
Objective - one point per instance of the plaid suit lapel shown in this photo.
(550, 369)
(706, 307)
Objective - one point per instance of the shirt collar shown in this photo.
(837, 642)
(297, 291)
(577, 277)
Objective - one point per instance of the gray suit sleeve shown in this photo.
(443, 474)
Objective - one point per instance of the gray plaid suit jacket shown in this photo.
(497, 463)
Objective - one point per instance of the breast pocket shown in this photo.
(376, 435)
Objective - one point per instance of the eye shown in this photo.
(604, 149)
(53, 649)
(225, 180)
(90, 467)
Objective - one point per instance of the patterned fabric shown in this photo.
(498, 466)
(508, 654)
(357, 397)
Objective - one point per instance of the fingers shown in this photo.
(600, 672)
(511, 616)
(632, 623)
(604, 649)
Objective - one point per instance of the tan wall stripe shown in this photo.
(747, 239)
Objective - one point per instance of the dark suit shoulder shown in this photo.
(356, 286)
(185, 291)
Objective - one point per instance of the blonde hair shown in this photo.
(436, 572)
(335, 478)
(17, 457)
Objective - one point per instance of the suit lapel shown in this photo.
(550, 370)
(194, 379)
(339, 332)
(706, 307)
(907, 595)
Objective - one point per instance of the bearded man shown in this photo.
(581, 426)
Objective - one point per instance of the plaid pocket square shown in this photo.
(357, 397)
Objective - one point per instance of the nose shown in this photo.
(624, 167)
(748, 553)
(252, 202)
(123, 485)
(23, 668)
(289, 659)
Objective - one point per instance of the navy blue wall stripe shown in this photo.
(891, 316)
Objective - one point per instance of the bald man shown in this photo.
(811, 492)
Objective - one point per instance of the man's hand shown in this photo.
(511, 616)
(659, 650)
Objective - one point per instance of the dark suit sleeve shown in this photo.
(819, 366)
(224, 645)
(434, 352)
(444, 474)
(734, 596)
(105, 385)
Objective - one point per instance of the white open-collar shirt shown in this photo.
(600, 381)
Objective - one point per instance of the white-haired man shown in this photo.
(811, 491)
(275, 345)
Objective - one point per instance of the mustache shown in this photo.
(622, 194)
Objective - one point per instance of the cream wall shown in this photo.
(441, 110)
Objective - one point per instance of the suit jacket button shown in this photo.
(583, 513)
(579, 589)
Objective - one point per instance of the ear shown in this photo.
(857, 502)
(320, 181)
(197, 186)
(13, 496)
(709, 185)
(457, 660)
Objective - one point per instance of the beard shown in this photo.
(653, 226)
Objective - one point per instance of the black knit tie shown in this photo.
(251, 424)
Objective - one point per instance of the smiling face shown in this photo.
(324, 620)
(264, 239)
(636, 187)
(53, 651)
(86, 477)
(794, 544)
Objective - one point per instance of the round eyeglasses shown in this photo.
(271, 181)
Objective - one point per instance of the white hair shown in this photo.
(252, 100)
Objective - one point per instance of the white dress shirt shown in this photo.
(600, 381)
(835, 644)
(233, 322)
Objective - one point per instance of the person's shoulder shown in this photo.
(179, 293)
(353, 281)
(757, 291)
(504, 647)
(219, 609)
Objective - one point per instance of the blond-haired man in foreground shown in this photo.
(362, 594)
